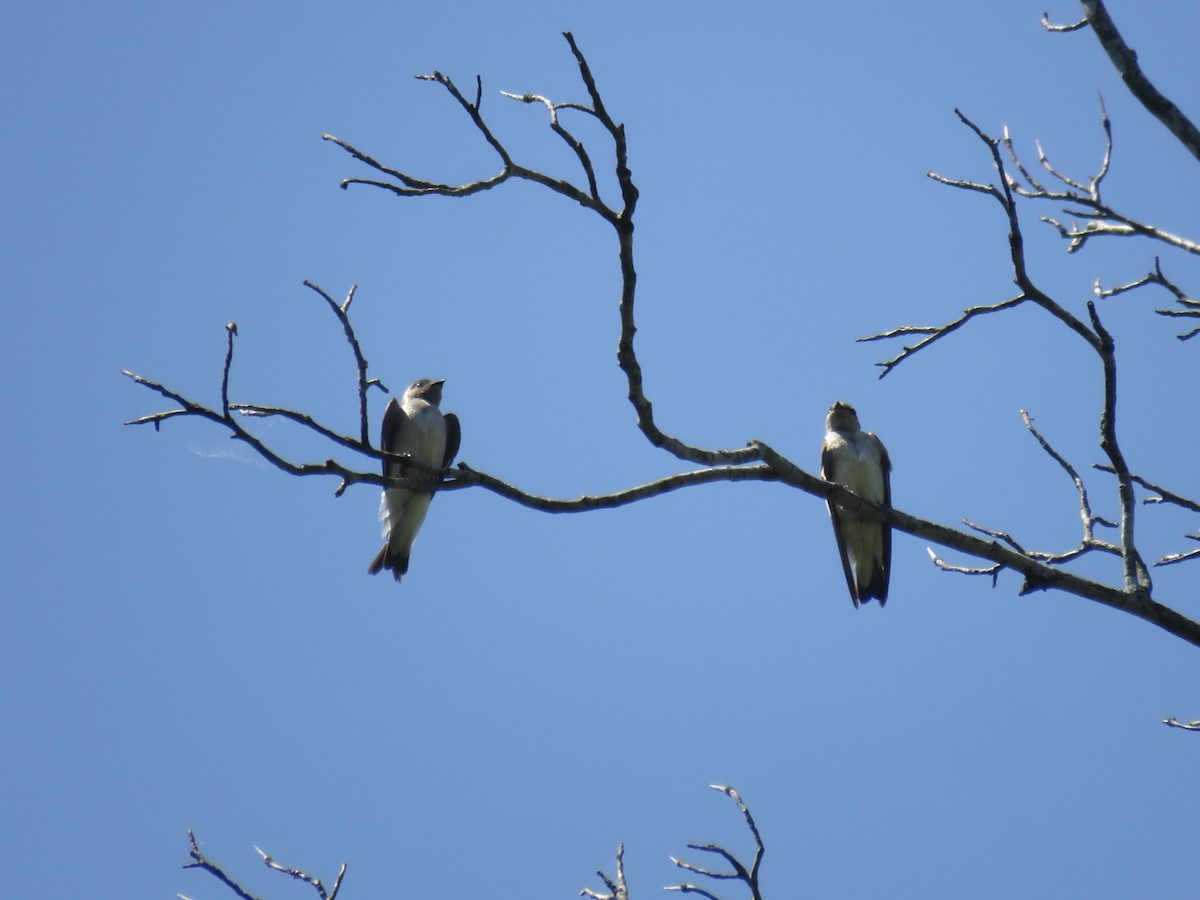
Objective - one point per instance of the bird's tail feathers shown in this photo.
(397, 565)
(876, 588)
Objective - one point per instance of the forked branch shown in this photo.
(1125, 61)
(754, 461)
(200, 861)
(739, 871)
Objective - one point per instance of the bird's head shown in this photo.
(426, 389)
(842, 417)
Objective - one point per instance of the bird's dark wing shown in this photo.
(394, 421)
(886, 462)
(453, 438)
(835, 514)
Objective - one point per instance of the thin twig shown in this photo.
(1191, 308)
(1074, 26)
(1100, 219)
(1172, 558)
(1085, 507)
(992, 570)
(1164, 495)
(1186, 726)
(934, 332)
(342, 311)
(230, 333)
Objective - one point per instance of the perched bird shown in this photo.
(857, 460)
(416, 427)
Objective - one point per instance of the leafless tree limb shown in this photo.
(1038, 575)
(1154, 276)
(1074, 26)
(934, 332)
(993, 570)
(200, 861)
(1125, 61)
(1087, 519)
(1187, 335)
(464, 476)
(190, 408)
(1164, 495)
(620, 219)
(1004, 195)
(1172, 558)
(998, 535)
(342, 311)
(457, 478)
(1100, 218)
(1191, 307)
(617, 890)
(1096, 336)
(737, 464)
(1136, 576)
(742, 873)
(299, 875)
(1186, 726)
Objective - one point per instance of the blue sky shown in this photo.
(190, 638)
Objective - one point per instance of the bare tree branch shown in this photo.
(935, 332)
(1004, 195)
(1137, 578)
(311, 880)
(992, 570)
(742, 873)
(1191, 308)
(342, 311)
(464, 477)
(200, 861)
(458, 478)
(1101, 219)
(1164, 496)
(617, 890)
(621, 221)
(1085, 509)
(1136, 574)
(1074, 26)
(1038, 575)
(1125, 61)
(1040, 570)
(1173, 558)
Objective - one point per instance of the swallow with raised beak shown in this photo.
(857, 460)
(415, 427)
